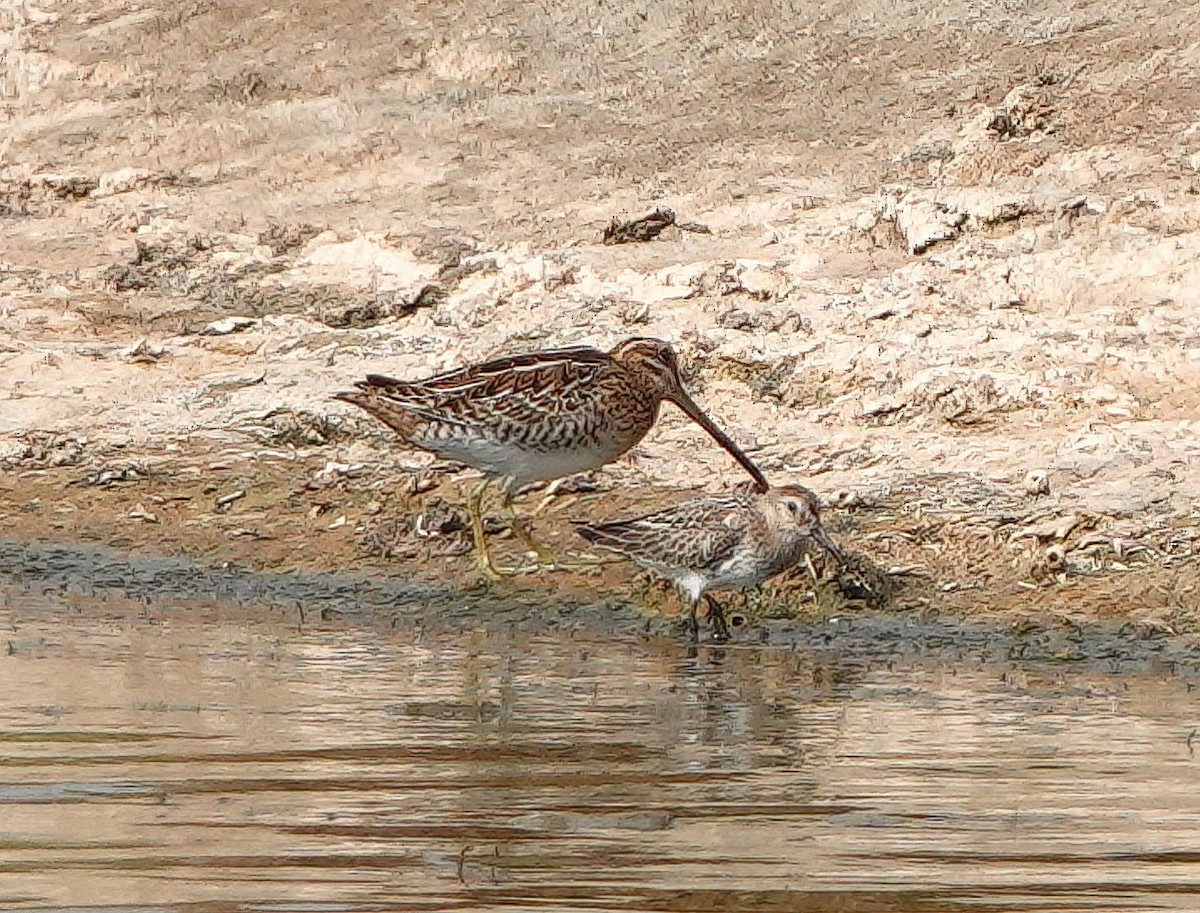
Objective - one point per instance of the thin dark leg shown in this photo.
(693, 625)
(716, 620)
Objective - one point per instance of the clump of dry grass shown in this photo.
(301, 428)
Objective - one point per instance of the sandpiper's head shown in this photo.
(797, 511)
(803, 507)
(653, 361)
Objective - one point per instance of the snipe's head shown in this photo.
(796, 513)
(652, 363)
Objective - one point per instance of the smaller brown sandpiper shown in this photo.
(719, 543)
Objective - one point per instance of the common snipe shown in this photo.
(538, 416)
(719, 543)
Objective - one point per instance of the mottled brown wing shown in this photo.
(515, 389)
(696, 534)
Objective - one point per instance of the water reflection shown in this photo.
(204, 761)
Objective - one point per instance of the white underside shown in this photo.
(740, 571)
(691, 584)
(524, 465)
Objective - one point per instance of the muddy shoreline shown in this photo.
(89, 579)
(948, 546)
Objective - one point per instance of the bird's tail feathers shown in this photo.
(595, 533)
(379, 380)
(394, 415)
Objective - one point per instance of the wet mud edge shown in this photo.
(864, 638)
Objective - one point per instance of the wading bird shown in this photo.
(719, 543)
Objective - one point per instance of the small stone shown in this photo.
(123, 180)
(228, 325)
(924, 223)
(845, 499)
(1056, 559)
(140, 513)
(1037, 482)
(736, 319)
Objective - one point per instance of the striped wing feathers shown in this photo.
(694, 535)
(516, 389)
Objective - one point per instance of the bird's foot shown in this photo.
(493, 571)
(717, 626)
(549, 561)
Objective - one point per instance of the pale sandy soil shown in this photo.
(951, 281)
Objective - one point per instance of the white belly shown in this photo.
(525, 465)
(743, 569)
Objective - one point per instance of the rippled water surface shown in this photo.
(210, 762)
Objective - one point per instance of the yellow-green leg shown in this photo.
(509, 515)
(545, 557)
(483, 555)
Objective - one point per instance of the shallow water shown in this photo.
(219, 759)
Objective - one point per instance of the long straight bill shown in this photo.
(694, 412)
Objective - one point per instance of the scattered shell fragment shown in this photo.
(235, 382)
(881, 408)
(224, 501)
(635, 313)
(1055, 528)
(144, 353)
(108, 477)
(228, 325)
(416, 483)
(647, 228)
(243, 533)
